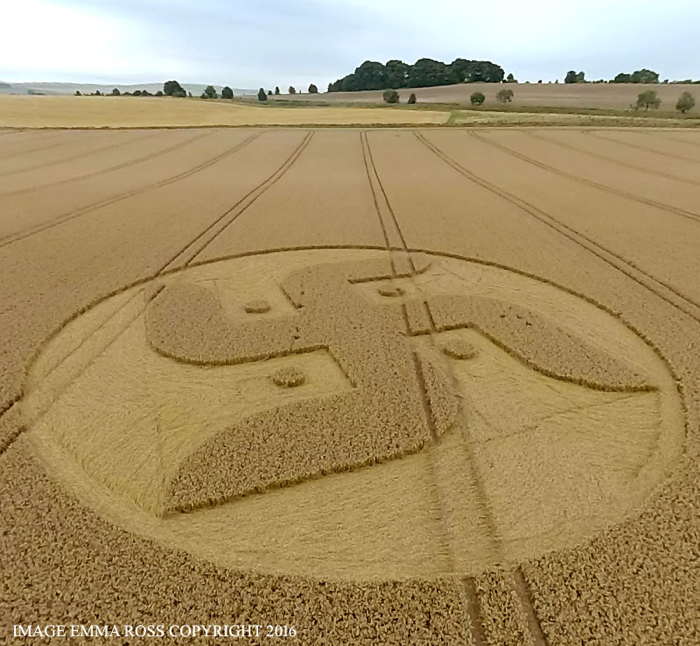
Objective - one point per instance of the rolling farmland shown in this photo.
(387, 386)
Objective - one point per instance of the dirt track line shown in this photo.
(375, 198)
(242, 205)
(94, 151)
(523, 591)
(641, 169)
(668, 137)
(43, 147)
(389, 208)
(520, 202)
(91, 334)
(5, 445)
(691, 215)
(126, 164)
(475, 619)
(595, 133)
(575, 236)
(147, 301)
(70, 215)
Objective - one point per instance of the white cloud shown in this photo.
(279, 42)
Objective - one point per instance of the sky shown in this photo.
(254, 43)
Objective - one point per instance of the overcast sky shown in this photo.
(253, 43)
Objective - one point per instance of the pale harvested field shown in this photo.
(405, 386)
(588, 95)
(150, 112)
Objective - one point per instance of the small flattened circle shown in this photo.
(257, 307)
(459, 349)
(288, 377)
(390, 290)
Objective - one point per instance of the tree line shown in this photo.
(425, 72)
(638, 76)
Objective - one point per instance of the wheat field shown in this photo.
(387, 386)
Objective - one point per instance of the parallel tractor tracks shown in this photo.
(665, 291)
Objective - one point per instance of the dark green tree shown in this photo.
(210, 91)
(226, 92)
(477, 98)
(570, 77)
(262, 95)
(622, 78)
(426, 72)
(510, 78)
(313, 89)
(390, 96)
(396, 73)
(644, 76)
(116, 92)
(277, 90)
(648, 99)
(685, 102)
(173, 88)
(78, 93)
(291, 90)
(581, 77)
(159, 93)
(412, 99)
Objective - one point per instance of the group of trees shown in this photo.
(262, 94)
(372, 75)
(210, 93)
(504, 95)
(117, 92)
(649, 99)
(639, 76)
(575, 77)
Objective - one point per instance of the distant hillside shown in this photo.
(87, 88)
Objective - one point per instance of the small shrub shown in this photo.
(477, 98)
(412, 98)
(685, 102)
(648, 99)
(505, 96)
(390, 96)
